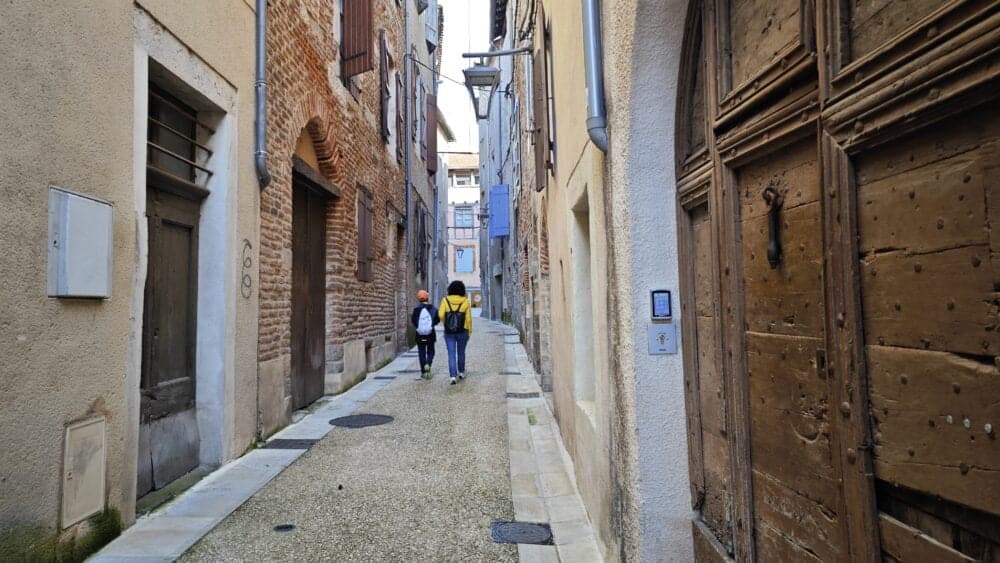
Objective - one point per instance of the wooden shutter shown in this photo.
(366, 252)
(540, 101)
(422, 119)
(432, 144)
(400, 120)
(357, 48)
(384, 85)
(414, 73)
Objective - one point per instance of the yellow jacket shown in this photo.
(458, 303)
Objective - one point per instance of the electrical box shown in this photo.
(80, 245)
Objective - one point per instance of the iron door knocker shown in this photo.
(774, 201)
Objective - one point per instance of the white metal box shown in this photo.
(80, 245)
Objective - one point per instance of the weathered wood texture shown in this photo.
(867, 360)
(874, 23)
(905, 543)
(760, 32)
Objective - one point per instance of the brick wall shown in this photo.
(305, 92)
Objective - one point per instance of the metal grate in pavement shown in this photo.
(289, 444)
(384, 377)
(409, 371)
(510, 373)
(361, 420)
(284, 527)
(521, 532)
(532, 395)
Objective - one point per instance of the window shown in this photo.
(540, 102)
(422, 116)
(431, 134)
(475, 179)
(356, 33)
(365, 222)
(173, 153)
(384, 85)
(460, 180)
(400, 119)
(463, 218)
(464, 259)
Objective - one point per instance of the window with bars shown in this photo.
(173, 153)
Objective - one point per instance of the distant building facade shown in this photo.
(464, 223)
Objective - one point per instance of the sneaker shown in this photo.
(454, 381)
(461, 375)
(427, 372)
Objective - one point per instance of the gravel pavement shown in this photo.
(425, 487)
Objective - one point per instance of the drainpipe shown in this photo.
(406, 113)
(596, 113)
(260, 99)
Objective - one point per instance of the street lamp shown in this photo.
(482, 81)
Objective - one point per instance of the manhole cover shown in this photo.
(361, 420)
(533, 395)
(284, 527)
(289, 444)
(522, 532)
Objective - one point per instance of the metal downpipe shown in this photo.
(260, 98)
(597, 122)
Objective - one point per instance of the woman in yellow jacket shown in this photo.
(455, 313)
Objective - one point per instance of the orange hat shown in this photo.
(422, 295)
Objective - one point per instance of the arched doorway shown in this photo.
(834, 224)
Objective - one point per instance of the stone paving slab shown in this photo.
(168, 532)
(542, 477)
(425, 487)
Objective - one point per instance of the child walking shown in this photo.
(424, 318)
(456, 313)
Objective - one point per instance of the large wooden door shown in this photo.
(308, 294)
(838, 217)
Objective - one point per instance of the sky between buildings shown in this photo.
(466, 30)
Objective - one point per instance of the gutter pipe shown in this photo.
(260, 98)
(596, 112)
(408, 140)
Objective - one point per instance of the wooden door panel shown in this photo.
(308, 331)
(761, 31)
(170, 306)
(873, 23)
(796, 487)
(930, 276)
(715, 508)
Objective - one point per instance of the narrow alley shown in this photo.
(730, 270)
(426, 486)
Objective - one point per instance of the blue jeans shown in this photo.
(456, 352)
(426, 353)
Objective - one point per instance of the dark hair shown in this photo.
(456, 288)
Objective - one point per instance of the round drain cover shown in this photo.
(284, 527)
(361, 420)
(522, 532)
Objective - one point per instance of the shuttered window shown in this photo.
(432, 145)
(356, 47)
(540, 102)
(384, 84)
(366, 220)
(400, 118)
(422, 118)
(414, 73)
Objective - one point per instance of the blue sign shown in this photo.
(499, 211)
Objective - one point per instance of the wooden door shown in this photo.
(308, 295)
(170, 307)
(837, 217)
